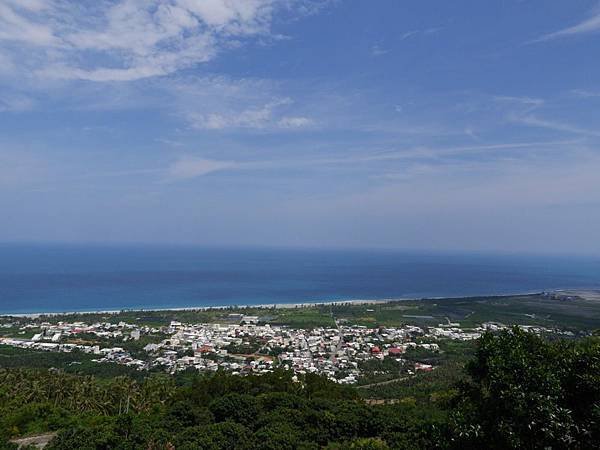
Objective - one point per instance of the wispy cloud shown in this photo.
(587, 26)
(440, 152)
(191, 167)
(582, 93)
(423, 32)
(222, 103)
(532, 120)
(170, 142)
(257, 117)
(15, 102)
(526, 111)
(295, 122)
(377, 50)
(525, 104)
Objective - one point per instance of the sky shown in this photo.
(462, 125)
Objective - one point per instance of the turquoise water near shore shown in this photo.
(56, 278)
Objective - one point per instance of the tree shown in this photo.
(527, 392)
(86, 438)
(184, 413)
(240, 408)
(226, 435)
(278, 436)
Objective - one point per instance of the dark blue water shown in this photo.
(53, 278)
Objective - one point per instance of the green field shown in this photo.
(575, 314)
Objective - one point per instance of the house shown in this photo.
(395, 351)
(151, 347)
(249, 319)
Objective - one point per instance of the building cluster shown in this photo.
(252, 348)
(242, 348)
(81, 337)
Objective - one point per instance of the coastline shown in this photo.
(212, 307)
(269, 305)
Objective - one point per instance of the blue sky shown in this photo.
(404, 124)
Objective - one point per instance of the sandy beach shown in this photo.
(206, 308)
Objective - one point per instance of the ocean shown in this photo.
(58, 278)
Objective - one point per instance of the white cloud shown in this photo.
(231, 112)
(124, 40)
(236, 15)
(262, 117)
(295, 122)
(129, 74)
(16, 25)
(128, 39)
(249, 118)
(408, 34)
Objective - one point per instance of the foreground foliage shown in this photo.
(525, 392)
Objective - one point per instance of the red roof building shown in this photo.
(423, 367)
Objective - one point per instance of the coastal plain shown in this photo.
(573, 310)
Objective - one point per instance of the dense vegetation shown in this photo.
(518, 391)
(74, 362)
(219, 411)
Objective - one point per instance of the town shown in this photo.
(243, 345)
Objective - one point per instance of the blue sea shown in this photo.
(56, 278)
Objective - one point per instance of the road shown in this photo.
(381, 383)
(39, 441)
